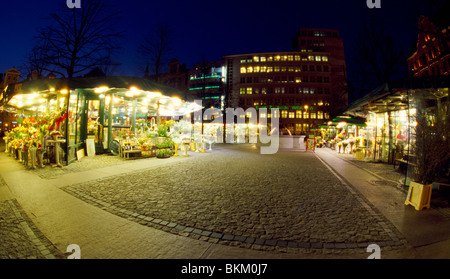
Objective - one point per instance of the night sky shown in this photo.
(215, 28)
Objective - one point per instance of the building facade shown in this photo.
(8, 119)
(206, 83)
(432, 55)
(306, 85)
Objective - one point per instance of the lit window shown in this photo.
(243, 71)
(249, 90)
(297, 58)
(243, 60)
(277, 69)
(305, 127)
(263, 90)
(290, 58)
(291, 69)
(256, 58)
(305, 90)
(263, 59)
(298, 113)
(318, 58)
(325, 58)
(277, 58)
(291, 114)
(277, 90)
(283, 90)
(242, 91)
(249, 114)
(312, 91)
(298, 127)
(256, 69)
(284, 113)
(249, 60)
(297, 69)
(249, 69)
(256, 91)
(305, 114)
(263, 69)
(298, 79)
(270, 58)
(326, 115)
(320, 114)
(284, 58)
(313, 115)
(256, 103)
(311, 57)
(269, 69)
(283, 69)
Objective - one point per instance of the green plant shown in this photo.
(161, 153)
(162, 131)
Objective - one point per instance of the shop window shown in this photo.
(320, 114)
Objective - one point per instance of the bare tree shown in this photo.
(78, 40)
(156, 47)
(37, 60)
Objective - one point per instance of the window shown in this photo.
(284, 58)
(249, 69)
(242, 79)
(320, 114)
(298, 127)
(270, 58)
(312, 90)
(277, 69)
(290, 58)
(264, 90)
(249, 80)
(291, 114)
(291, 69)
(256, 58)
(243, 60)
(318, 58)
(312, 79)
(300, 90)
(297, 69)
(277, 58)
(326, 115)
(283, 69)
(283, 90)
(284, 113)
(311, 68)
(306, 127)
(319, 68)
(243, 70)
(298, 113)
(305, 90)
(263, 69)
(291, 90)
(326, 79)
(311, 57)
(326, 90)
(269, 69)
(325, 58)
(256, 69)
(325, 68)
(305, 68)
(305, 114)
(249, 90)
(242, 90)
(297, 57)
(313, 115)
(319, 79)
(263, 59)
(277, 90)
(298, 79)
(256, 91)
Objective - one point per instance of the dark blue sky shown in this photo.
(215, 28)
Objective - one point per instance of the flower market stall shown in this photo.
(65, 119)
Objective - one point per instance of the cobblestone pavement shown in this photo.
(286, 202)
(20, 239)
